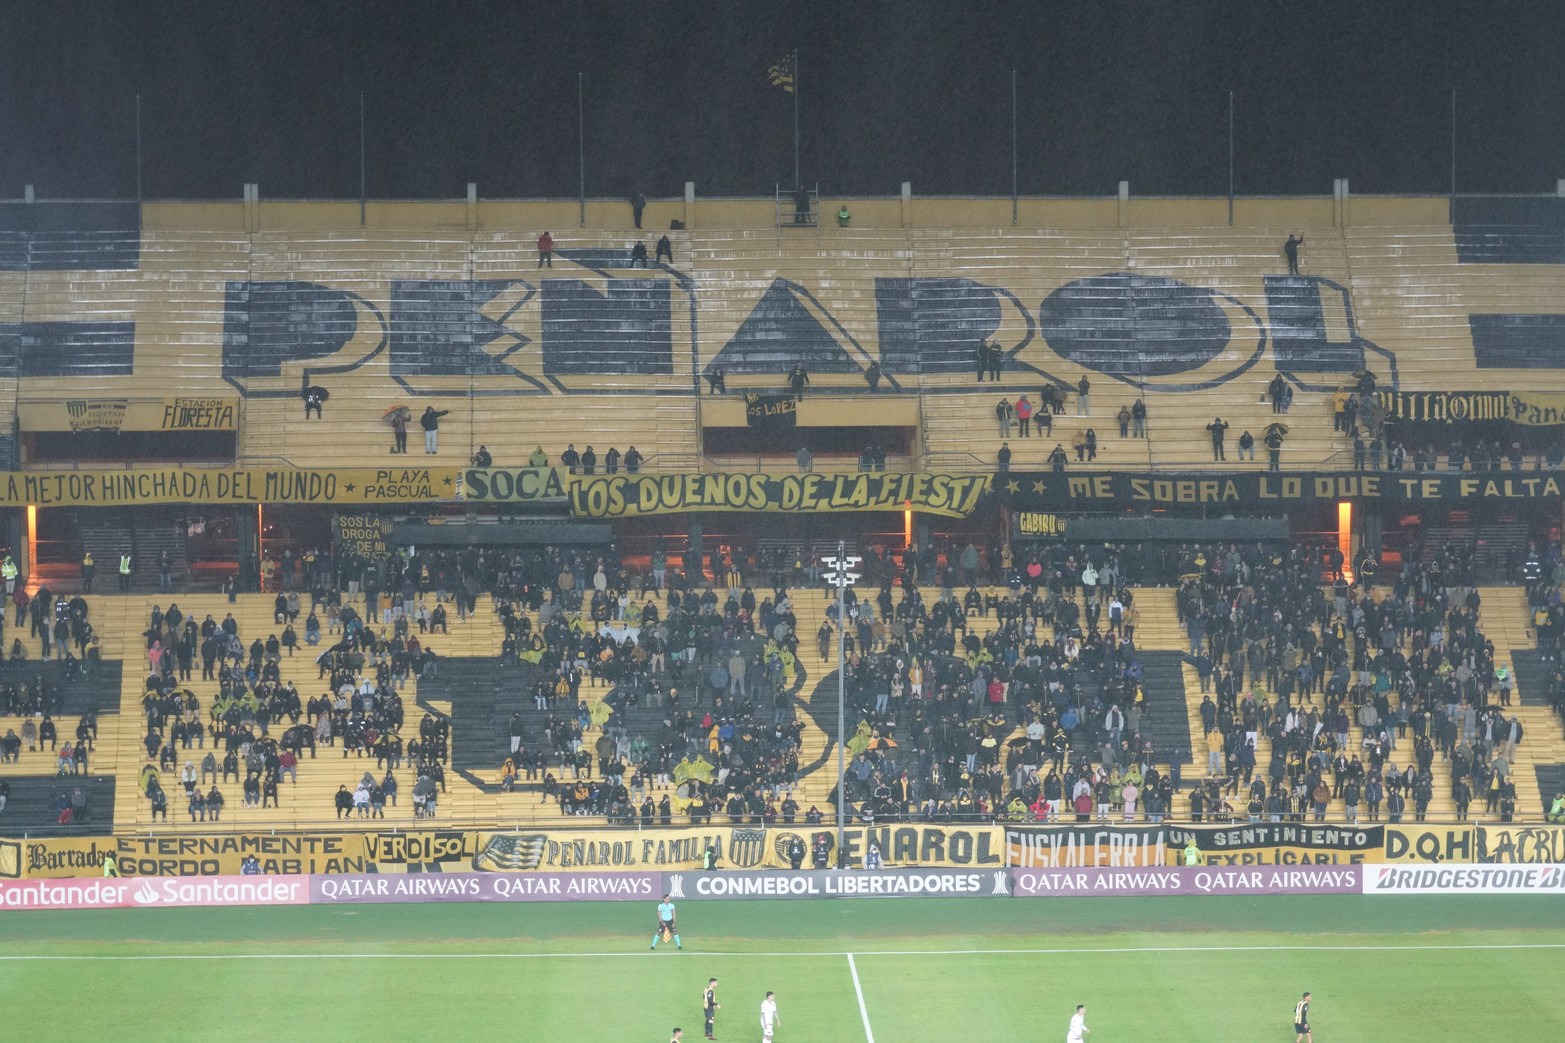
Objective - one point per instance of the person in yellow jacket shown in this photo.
(125, 573)
(8, 570)
(88, 571)
(111, 867)
(1192, 853)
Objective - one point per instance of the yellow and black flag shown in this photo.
(781, 74)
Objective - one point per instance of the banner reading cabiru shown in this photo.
(122, 488)
(631, 496)
(1274, 843)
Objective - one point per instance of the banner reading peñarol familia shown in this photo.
(1275, 843)
(735, 847)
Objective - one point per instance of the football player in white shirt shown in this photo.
(1078, 1029)
(770, 1019)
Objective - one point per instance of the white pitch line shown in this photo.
(642, 954)
(869, 1034)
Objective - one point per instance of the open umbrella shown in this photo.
(391, 413)
(884, 744)
(1280, 429)
(1360, 374)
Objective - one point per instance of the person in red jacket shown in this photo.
(546, 250)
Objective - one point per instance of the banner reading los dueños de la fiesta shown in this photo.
(631, 496)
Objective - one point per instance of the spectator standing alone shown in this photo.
(430, 422)
(1083, 397)
(546, 250)
(1218, 428)
(1290, 250)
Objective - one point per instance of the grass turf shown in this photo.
(1215, 969)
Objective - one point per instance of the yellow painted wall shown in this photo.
(884, 213)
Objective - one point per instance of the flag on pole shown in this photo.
(781, 74)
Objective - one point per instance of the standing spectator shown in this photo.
(981, 357)
(996, 359)
(798, 379)
(571, 459)
(399, 430)
(546, 250)
(1273, 449)
(430, 422)
(801, 206)
(1138, 419)
(1083, 397)
(1218, 429)
(1004, 457)
(632, 461)
(1003, 413)
(1339, 410)
(1024, 416)
(843, 216)
(638, 205)
(715, 379)
(665, 250)
(611, 461)
(589, 461)
(806, 459)
(1290, 250)
(1057, 459)
(1124, 421)
(125, 565)
(1091, 439)
(88, 570)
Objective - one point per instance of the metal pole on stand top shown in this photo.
(841, 578)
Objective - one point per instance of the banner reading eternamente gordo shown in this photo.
(630, 496)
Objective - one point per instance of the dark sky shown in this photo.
(889, 91)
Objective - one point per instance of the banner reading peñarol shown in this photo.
(634, 496)
(736, 847)
(1272, 843)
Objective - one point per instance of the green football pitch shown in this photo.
(893, 971)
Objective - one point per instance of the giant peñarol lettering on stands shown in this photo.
(631, 496)
(1090, 490)
(1273, 843)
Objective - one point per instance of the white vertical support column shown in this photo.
(1559, 187)
(1336, 202)
(27, 194)
(907, 203)
(472, 206)
(1347, 195)
(690, 205)
(252, 207)
(1124, 204)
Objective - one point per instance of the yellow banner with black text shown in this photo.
(633, 496)
(128, 488)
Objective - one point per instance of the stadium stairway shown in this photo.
(1506, 621)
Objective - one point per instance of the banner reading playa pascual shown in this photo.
(737, 847)
(244, 485)
(1273, 843)
(632, 496)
